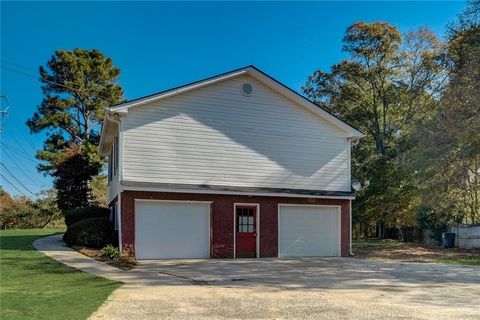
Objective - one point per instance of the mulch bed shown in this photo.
(125, 262)
(409, 252)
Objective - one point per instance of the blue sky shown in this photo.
(160, 45)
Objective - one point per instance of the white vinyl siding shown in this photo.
(217, 136)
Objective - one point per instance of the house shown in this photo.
(236, 165)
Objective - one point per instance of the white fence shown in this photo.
(467, 236)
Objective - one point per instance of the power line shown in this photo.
(20, 145)
(26, 157)
(36, 77)
(13, 176)
(14, 149)
(1, 175)
(5, 98)
(23, 152)
(22, 171)
(225, 122)
(19, 65)
(3, 113)
(24, 136)
(48, 81)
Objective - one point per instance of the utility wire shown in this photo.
(25, 137)
(19, 65)
(17, 152)
(4, 112)
(48, 81)
(20, 145)
(36, 77)
(4, 178)
(23, 152)
(22, 171)
(45, 80)
(227, 123)
(13, 176)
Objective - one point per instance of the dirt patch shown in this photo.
(409, 252)
(125, 262)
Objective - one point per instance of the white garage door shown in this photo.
(309, 231)
(172, 229)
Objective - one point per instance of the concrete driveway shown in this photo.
(313, 288)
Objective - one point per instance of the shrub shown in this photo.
(75, 215)
(91, 232)
(25, 213)
(111, 252)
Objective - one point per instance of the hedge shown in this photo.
(91, 232)
(75, 215)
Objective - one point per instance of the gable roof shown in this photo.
(251, 70)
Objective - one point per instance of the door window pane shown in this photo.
(245, 219)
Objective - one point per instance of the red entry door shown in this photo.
(246, 231)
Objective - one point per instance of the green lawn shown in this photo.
(34, 286)
(462, 260)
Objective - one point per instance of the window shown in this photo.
(245, 219)
(110, 160)
(115, 156)
(113, 160)
(114, 215)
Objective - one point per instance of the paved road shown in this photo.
(295, 289)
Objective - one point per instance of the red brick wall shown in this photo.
(222, 219)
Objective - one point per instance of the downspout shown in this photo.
(107, 115)
(119, 200)
(353, 142)
(351, 251)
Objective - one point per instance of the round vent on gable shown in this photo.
(247, 89)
